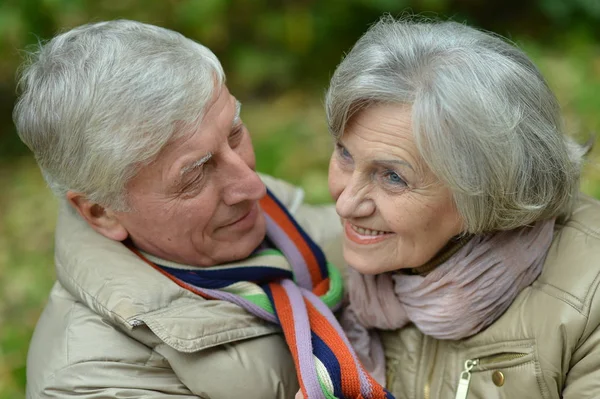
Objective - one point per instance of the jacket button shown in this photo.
(498, 378)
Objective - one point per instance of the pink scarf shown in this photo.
(457, 299)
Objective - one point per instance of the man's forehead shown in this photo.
(219, 98)
(183, 131)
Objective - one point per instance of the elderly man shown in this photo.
(137, 134)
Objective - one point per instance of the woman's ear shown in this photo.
(101, 219)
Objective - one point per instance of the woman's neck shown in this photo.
(443, 255)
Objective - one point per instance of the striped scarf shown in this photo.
(294, 286)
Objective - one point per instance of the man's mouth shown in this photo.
(245, 220)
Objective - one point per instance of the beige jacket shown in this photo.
(546, 345)
(114, 327)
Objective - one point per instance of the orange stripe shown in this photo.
(350, 379)
(321, 288)
(377, 390)
(284, 311)
(321, 326)
(279, 216)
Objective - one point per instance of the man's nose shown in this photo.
(355, 201)
(241, 182)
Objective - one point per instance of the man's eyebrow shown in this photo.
(392, 161)
(236, 118)
(195, 165)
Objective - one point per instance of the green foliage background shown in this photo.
(278, 56)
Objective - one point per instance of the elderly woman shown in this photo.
(474, 261)
(179, 274)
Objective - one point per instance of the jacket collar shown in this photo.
(105, 275)
(115, 283)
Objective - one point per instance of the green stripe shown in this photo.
(261, 300)
(334, 295)
(324, 389)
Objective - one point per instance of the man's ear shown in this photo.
(101, 219)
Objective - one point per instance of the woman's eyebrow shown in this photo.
(236, 118)
(392, 161)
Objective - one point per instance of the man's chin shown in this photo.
(243, 247)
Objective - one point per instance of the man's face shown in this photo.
(197, 203)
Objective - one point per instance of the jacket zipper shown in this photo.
(427, 387)
(465, 377)
(501, 357)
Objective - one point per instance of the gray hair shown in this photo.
(100, 100)
(484, 119)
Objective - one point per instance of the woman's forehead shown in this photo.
(382, 127)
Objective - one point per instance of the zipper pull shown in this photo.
(465, 379)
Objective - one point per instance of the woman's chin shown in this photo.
(368, 266)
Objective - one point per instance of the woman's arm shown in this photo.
(583, 378)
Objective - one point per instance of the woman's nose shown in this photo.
(355, 201)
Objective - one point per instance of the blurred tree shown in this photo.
(270, 47)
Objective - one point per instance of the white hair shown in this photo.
(483, 118)
(100, 100)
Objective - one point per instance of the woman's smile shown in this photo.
(363, 236)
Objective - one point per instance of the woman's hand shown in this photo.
(299, 395)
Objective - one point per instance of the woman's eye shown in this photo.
(343, 151)
(394, 178)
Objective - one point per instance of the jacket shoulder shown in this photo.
(75, 352)
(572, 267)
(69, 334)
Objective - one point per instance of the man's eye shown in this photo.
(193, 183)
(236, 135)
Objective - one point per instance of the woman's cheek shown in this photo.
(335, 179)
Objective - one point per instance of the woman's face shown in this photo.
(396, 213)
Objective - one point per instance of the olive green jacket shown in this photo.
(116, 328)
(546, 345)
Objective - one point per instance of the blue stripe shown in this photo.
(328, 358)
(216, 279)
(311, 244)
(194, 279)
